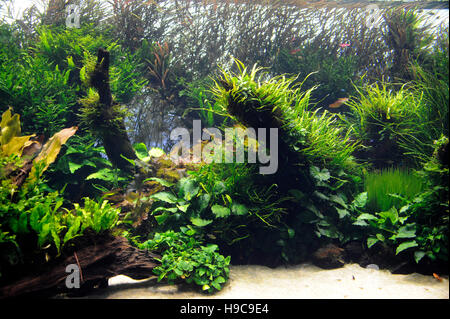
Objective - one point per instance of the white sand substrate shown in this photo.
(303, 281)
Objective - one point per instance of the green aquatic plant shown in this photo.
(258, 101)
(33, 224)
(393, 126)
(186, 258)
(406, 35)
(432, 81)
(390, 181)
(416, 224)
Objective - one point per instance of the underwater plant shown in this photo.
(392, 125)
(256, 101)
(34, 226)
(390, 181)
(406, 35)
(186, 258)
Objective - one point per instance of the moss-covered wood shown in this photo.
(113, 133)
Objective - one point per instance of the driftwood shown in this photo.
(115, 139)
(98, 262)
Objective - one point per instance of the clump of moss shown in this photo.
(93, 115)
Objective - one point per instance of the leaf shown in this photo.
(360, 223)
(141, 150)
(371, 241)
(184, 207)
(51, 149)
(56, 240)
(199, 222)
(298, 195)
(165, 209)
(216, 282)
(418, 255)
(407, 231)
(73, 167)
(390, 214)
(73, 229)
(203, 202)
(189, 188)
(156, 152)
(34, 219)
(366, 216)
(239, 209)
(360, 200)
(42, 237)
(320, 175)
(405, 245)
(10, 127)
(105, 174)
(163, 182)
(184, 265)
(220, 211)
(165, 197)
(342, 212)
(23, 222)
(16, 145)
(314, 210)
(70, 62)
(339, 200)
(160, 219)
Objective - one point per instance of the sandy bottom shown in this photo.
(295, 282)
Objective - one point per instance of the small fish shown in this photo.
(344, 45)
(437, 277)
(294, 51)
(338, 103)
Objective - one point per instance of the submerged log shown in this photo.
(97, 262)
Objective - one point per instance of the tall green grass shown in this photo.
(379, 186)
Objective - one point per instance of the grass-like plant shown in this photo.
(380, 185)
(393, 125)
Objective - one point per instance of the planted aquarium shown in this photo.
(200, 145)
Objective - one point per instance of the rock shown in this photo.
(373, 266)
(329, 256)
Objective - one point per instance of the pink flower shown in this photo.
(344, 45)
